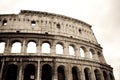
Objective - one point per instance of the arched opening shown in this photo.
(45, 47)
(16, 47)
(61, 73)
(91, 53)
(111, 76)
(46, 72)
(4, 23)
(31, 47)
(105, 75)
(11, 72)
(82, 52)
(29, 72)
(33, 23)
(100, 56)
(97, 74)
(71, 50)
(59, 49)
(87, 74)
(2, 47)
(74, 73)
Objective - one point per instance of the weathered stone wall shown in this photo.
(40, 28)
(28, 21)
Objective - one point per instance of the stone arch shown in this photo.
(59, 48)
(100, 56)
(87, 73)
(71, 49)
(29, 72)
(46, 72)
(111, 76)
(31, 46)
(75, 73)
(105, 75)
(46, 47)
(92, 52)
(97, 74)
(16, 46)
(61, 72)
(82, 51)
(2, 46)
(11, 72)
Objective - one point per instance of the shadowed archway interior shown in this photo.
(11, 72)
(46, 72)
(29, 72)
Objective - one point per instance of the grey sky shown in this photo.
(103, 15)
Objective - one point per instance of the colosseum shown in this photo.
(45, 46)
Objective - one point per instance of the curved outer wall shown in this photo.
(53, 29)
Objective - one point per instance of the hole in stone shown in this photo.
(18, 31)
(79, 30)
(33, 23)
(71, 36)
(58, 26)
(46, 33)
(4, 22)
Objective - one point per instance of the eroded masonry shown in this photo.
(45, 46)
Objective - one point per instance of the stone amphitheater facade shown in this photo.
(62, 48)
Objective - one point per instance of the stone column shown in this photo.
(79, 72)
(24, 47)
(68, 75)
(95, 56)
(1, 71)
(38, 71)
(82, 73)
(92, 74)
(77, 52)
(7, 47)
(38, 48)
(87, 54)
(55, 74)
(108, 76)
(102, 77)
(52, 50)
(20, 71)
(68, 72)
(66, 50)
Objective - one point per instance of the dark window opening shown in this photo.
(71, 36)
(79, 30)
(41, 21)
(18, 31)
(46, 72)
(14, 19)
(58, 26)
(11, 73)
(111, 76)
(87, 74)
(105, 75)
(33, 23)
(61, 73)
(29, 73)
(97, 75)
(4, 22)
(74, 74)
(46, 33)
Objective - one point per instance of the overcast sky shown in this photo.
(103, 15)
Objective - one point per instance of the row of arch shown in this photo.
(11, 72)
(31, 47)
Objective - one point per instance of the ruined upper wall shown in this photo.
(46, 23)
